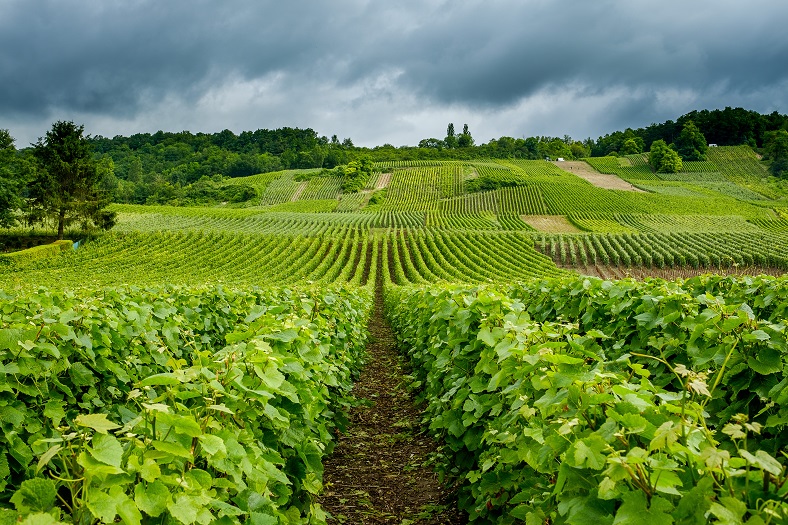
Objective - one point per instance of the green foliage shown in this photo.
(776, 148)
(725, 127)
(338, 254)
(704, 244)
(15, 171)
(6, 140)
(578, 400)
(37, 252)
(66, 185)
(489, 179)
(356, 174)
(451, 138)
(691, 144)
(632, 146)
(555, 148)
(377, 197)
(632, 168)
(664, 159)
(193, 405)
(464, 139)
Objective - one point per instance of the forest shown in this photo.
(185, 168)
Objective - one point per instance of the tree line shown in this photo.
(724, 127)
(68, 177)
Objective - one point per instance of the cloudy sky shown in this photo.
(385, 71)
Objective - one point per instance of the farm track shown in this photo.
(378, 472)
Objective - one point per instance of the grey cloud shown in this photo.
(112, 59)
(490, 56)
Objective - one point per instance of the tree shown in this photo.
(465, 140)
(66, 185)
(6, 140)
(579, 149)
(432, 143)
(776, 149)
(631, 146)
(691, 144)
(663, 159)
(14, 171)
(554, 148)
(356, 174)
(451, 138)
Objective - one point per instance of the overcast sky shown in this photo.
(385, 71)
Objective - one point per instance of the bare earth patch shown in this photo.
(383, 181)
(550, 223)
(299, 190)
(601, 180)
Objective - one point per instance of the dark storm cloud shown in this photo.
(618, 63)
(111, 56)
(496, 53)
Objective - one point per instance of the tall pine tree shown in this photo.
(66, 185)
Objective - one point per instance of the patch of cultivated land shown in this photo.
(601, 180)
(550, 223)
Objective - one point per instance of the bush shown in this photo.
(37, 252)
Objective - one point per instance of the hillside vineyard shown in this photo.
(592, 342)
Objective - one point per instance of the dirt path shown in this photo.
(377, 473)
(299, 190)
(601, 180)
(383, 181)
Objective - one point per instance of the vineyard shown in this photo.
(196, 364)
(659, 402)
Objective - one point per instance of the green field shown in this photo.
(194, 364)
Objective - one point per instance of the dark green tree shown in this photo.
(6, 140)
(632, 146)
(554, 148)
(432, 143)
(691, 144)
(465, 140)
(663, 159)
(776, 149)
(66, 184)
(451, 138)
(14, 171)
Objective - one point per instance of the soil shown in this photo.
(379, 472)
(383, 181)
(299, 190)
(601, 180)
(640, 273)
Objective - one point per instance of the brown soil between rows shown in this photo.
(640, 272)
(379, 471)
